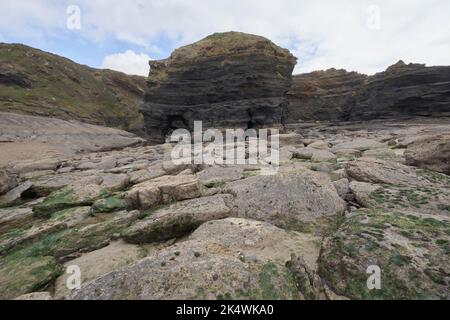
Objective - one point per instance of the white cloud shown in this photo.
(322, 33)
(128, 62)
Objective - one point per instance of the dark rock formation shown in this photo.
(323, 95)
(34, 82)
(402, 91)
(226, 80)
(431, 153)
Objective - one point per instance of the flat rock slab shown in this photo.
(12, 218)
(8, 241)
(220, 174)
(385, 172)
(68, 137)
(361, 144)
(100, 262)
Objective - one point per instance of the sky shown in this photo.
(358, 35)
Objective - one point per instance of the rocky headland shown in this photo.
(348, 194)
(227, 80)
(403, 91)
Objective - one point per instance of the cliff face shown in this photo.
(402, 91)
(34, 82)
(226, 80)
(323, 95)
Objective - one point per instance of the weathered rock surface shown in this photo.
(384, 172)
(68, 137)
(411, 251)
(164, 190)
(430, 153)
(362, 191)
(231, 258)
(179, 219)
(26, 274)
(11, 218)
(19, 237)
(287, 199)
(219, 175)
(226, 80)
(85, 216)
(100, 262)
(87, 235)
(360, 144)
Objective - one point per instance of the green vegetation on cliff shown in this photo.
(34, 82)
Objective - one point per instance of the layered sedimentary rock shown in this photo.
(226, 80)
(400, 92)
(323, 95)
(403, 91)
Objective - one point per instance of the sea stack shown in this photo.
(227, 80)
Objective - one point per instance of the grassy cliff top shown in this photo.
(230, 43)
(39, 83)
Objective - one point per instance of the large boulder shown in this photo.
(224, 259)
(373, 170)
(431, 153)
(226, 80)
(291, 199)
(164, 190)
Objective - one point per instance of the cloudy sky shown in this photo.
(360, 35)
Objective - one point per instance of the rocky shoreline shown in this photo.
(340, 202)
(363, 181)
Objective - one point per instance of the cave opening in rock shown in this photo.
(173, 123)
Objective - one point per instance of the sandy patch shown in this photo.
(16, 151)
